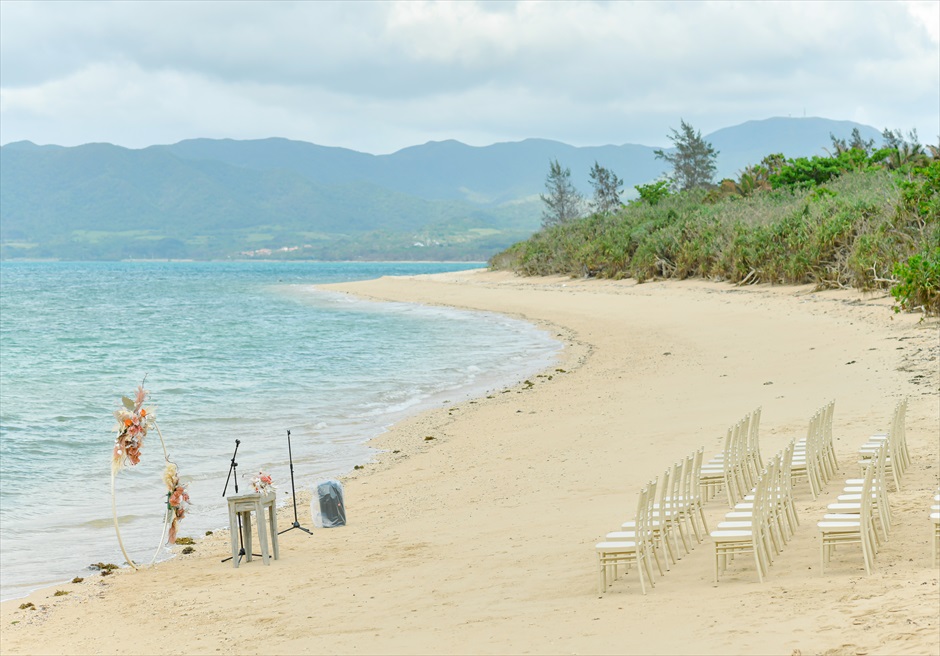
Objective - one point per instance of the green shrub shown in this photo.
(850, 233)
(918, 286)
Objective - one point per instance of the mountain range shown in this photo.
(277, 198)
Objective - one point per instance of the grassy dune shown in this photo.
(869, 229)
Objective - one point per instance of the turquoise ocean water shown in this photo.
(230, 351)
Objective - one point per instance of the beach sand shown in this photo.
(481, 540)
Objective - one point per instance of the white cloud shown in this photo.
(381, 76)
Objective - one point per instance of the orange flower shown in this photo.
(127, 422)
(143, 412)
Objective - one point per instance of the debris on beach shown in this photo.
(106, 567)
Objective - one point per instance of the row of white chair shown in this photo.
(670, 511)
(738, 466)
(637, 551)
(862, 513)
(763, 521)
(898, 458)
(851, 520)
(815, 457)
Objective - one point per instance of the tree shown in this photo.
(563, 202)
(653, 192)
(693, 162)
(901, 151)
(840, 146)
(607, 190)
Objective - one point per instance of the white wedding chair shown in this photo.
(612, 554)
(852, 529)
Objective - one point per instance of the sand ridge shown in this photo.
(481, 539)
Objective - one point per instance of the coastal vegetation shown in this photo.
(858, 217)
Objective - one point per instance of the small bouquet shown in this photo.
(176, 496)
(263, 483)
(133, 422)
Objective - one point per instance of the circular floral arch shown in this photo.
(134, 421)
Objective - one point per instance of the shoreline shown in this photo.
(70, 534)
(483, 536)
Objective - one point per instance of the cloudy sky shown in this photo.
(380, 76)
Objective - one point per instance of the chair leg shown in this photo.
(693, 520)
(701, 511)
(659, 565)
(639, 568)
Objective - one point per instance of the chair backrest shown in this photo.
(828, 411)
(879, 462)
(753, 440)
(773, 483)
(759, 509)
(814, 439)
(902, 419)
(736, 478)
(676, 481)
(651, 489)
(865, 505)
(642, 527)
(695, 491)
(896, 436)
(665, 485)
(786, 470)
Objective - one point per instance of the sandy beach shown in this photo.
(473, 529)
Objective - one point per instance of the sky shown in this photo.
(380, 76)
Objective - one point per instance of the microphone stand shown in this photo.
(232, 469)
(296, 523)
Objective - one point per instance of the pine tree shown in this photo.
(562, 202)
(693, 161)
(607, 190)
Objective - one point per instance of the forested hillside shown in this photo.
(210, 199)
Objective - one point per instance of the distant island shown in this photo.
(280, 199)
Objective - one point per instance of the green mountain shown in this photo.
(748, 143)
(205, 198)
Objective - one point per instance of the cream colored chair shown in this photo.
(698, 501)
(744, 514)
(897, 456)
(654, 537)
(854, 529)
(675, 505)
(786, 490)
(740, 539)
(663, 520)
(736, 483)
(712, 473)
(849, 502)
(726, 470)
(612, 554)
(659, 527)
(754, 459)
(808, 456)
(689, 502)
